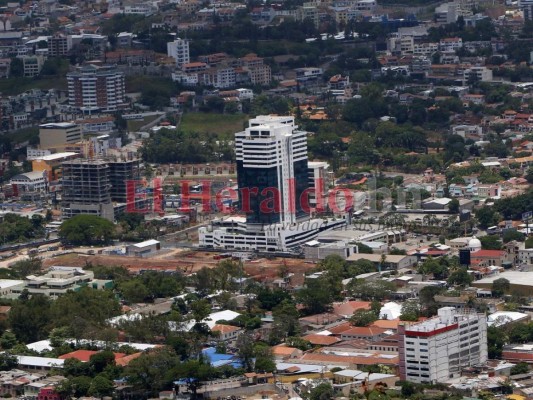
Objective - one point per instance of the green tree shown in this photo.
(30, 318)
(101, 386)
(500, 286)
(490, 242)
(77, 386)
(408, 389)
(8, 340)
(84, 308)
(16, 68)
(99, 361)
(324, 391)
(511, 235)
(453, 206)
(460, 277)
(374, 290)
(195, 372)
(200, 310)
(363, 317)
(317, 295)
(285, 321)
(495, 340)
(520, 368)
(435, 267)
(86, 230)
(23, 268)
(59, 335)
(245, 351)
(150, 371)
(270, 298)
(298, 343)
(7, 361)
(487, 217)
(410, 311)
(134, 291)
(264, 361)
(427, 299)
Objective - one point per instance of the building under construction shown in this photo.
(86, 189)
(120, 172)
(95, 186)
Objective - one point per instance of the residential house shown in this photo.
(371, 334)
(226, 332)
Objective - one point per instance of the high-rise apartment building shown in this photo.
(435, 350)
(94, 88)
(86, 189)
(526, 6)
(58, 45)
(274, 191)
(179, 50)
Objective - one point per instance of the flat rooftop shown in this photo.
(57, 156)
(514, 278)
(58, 125)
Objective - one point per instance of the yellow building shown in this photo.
(52, 164)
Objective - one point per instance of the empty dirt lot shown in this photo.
(186, 261)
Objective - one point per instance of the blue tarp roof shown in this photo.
(218, 359)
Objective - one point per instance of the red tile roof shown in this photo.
(333, 358)
(488, 253)
(349, 307)
(85, 355)
(321, 340)
(339, 329)
(364, 331)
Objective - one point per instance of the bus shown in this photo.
(491, 230)
(358, 214)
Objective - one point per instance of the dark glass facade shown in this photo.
(301, 178)
(260, 179)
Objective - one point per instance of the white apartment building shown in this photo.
(525, 256)
(94, 88)
(437, 349)
(482, 74)
(29, 182)
(467, 130)
(425, 49)
(179, 51)
(32, 65)
(141, 9)
(450, 44)
(245, 94)
(319, 179)
(526, 6)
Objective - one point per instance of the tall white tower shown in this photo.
(272, 167)
(179, 50)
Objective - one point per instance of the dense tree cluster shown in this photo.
(85, 229)
(170, 146)
(15, 228)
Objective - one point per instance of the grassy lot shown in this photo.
(139, 82)
(23, 135)
(13, 86)
(135, 125)
(223, 124)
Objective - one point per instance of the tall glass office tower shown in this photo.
(272, 171)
